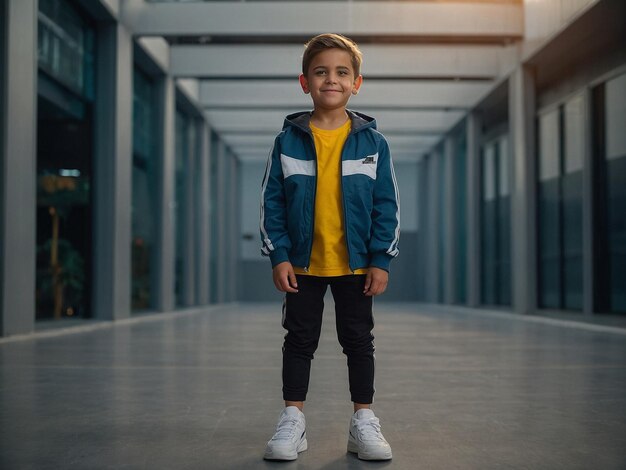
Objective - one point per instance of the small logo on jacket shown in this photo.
(369, 160)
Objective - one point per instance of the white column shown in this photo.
(449, 212)
(202, 215)
(222, 221)
(522, 142)
(235, 194)
(164, 289)
(113, 174)
(188, 219)
(18, 102)
(473, 198)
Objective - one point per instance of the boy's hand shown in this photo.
(284, 277)
(375, 281)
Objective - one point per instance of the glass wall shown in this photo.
(495, 223)
(185, 224)
(441, 223)
(227, 233)
(504, 222)
(192, 186)
(213, 214)
(145, 195)
(182, 151)
(615, 161)
(199, 213)
(64, 161)
(574, 147)
(3, 74)
(65, 46)
(548, 210)
(561, 148)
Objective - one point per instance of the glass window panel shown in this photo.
(616, 117)
(198, 216)
(616, 172)
(549, 148)
(549, 211)
(574, 145)
(489, 190)
(572, 201)
(617, 231)
(572, 207)
(144, 191)
(190, 186)
(65, 46)
(228, 219)
(496, 226)
(503, 167)
(213, 221)
(550, 284)
(144, 114)
(503, 267)
(488, 253)
(461, 224)
(549, 245)
(3, 117)
(441, 168)
(64, 163)
(489, 224)
(560, 206)
(182, 148)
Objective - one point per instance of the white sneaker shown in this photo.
(290, 436)
(365, 438)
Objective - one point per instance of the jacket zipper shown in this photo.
(306, 268)
(343, 200)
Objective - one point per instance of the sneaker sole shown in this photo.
(353, 448)
(301, 448)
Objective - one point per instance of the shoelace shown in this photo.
(369, 429)
(286, 428)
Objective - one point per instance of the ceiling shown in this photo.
(426, 63)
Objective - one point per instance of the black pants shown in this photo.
(302, 318)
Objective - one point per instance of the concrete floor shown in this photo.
(201, 390)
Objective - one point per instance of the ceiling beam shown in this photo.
(433, 122)
(502, 22)
(378, 94)
(454, 62)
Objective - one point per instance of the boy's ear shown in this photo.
(358, 81)
(304, 83)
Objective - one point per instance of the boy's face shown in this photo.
(330, 79)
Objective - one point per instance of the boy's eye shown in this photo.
(320, 72)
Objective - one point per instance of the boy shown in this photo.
(329, 217)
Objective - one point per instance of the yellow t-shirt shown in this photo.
(329, 255)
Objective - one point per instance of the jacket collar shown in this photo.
(302, 119)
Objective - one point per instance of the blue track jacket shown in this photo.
(369, 190)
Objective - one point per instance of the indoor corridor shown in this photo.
(200, 389)
(140, 328)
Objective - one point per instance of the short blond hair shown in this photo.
(326, 41)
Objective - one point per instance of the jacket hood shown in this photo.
(302, 119)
